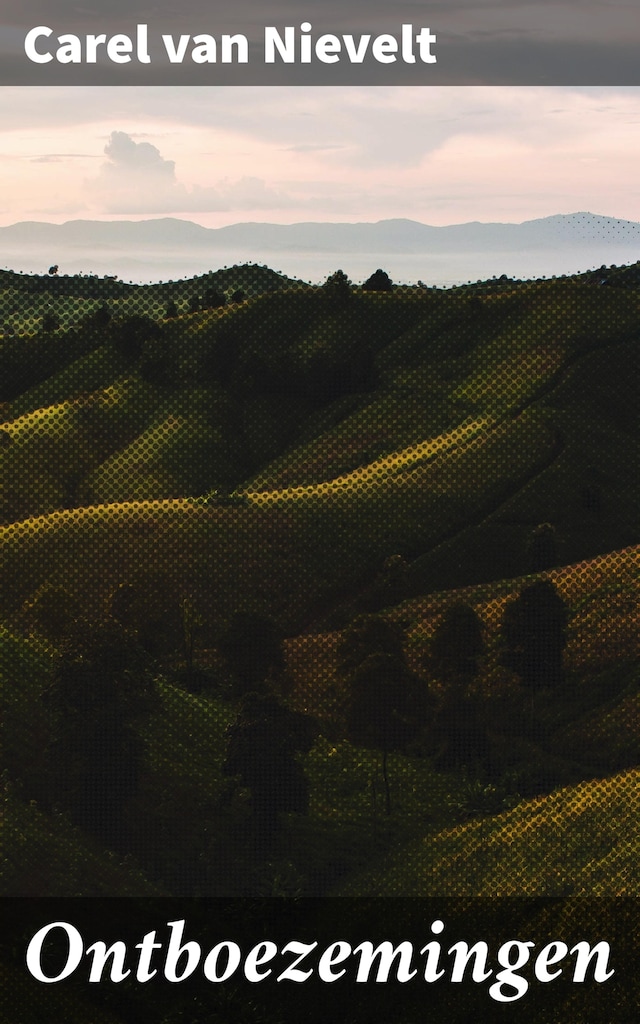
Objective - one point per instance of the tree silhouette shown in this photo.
(534, 634)
(99, 318)
(460, 730)
(337, 288)
(367, 635)
(53, 612)
(263, 745)
(213, 299)
(252, 647)
(378, 282)
(99, 693)
(457, 644)
(53, 270)
(171, 311)
(50, 322)
(191, 622)
(384, 710)
(131, 334)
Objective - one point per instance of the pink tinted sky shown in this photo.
(218, 156)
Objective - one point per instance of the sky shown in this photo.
(218, 156)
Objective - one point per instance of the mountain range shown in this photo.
(165, 248)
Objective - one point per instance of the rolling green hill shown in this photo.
(435, 425)
(310, 454)
(578, 841)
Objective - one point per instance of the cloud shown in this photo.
(131, 166)
(250, 193)
(136, 178)
(56, 158)
(128, 156)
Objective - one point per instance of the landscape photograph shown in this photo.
(319, 494)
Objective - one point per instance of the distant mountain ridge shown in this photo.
(397, 235)
(169, 247)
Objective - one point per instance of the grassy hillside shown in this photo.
(578, 841)
(442, 426)
(601, 595)
(25, 298)
(309, 454)
(314, 541)
(184, 828)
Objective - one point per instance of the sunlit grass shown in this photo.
(580, 840)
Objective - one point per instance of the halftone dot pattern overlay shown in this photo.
(320, 590)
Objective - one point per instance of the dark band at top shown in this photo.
(312, 43)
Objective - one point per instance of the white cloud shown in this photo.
(137, 179)
(250, 193)
(128, 156)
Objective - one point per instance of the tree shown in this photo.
(384, 709)
(53, 270)
(131, 334)
(194, 303)
(263, 745)
(337, 288)
(192, 623)
(252, 647)
(367, 635)
(50, 322)
(122, 607)
(238, 295)
(99, 318)
(534, 634)
(213, 299)
(542, 549)
(99, 693)
(171, 311)
(52, 611)
(457, 644)
(378, 282)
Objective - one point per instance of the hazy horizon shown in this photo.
(164, 249)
